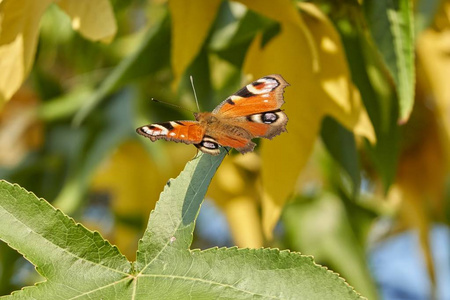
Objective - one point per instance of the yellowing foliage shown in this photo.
(311, 96)
(191, 22)
(309, 55)
(235, 188)
(20, 27)
(93, 19)
(20, 130)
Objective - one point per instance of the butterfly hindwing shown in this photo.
(267, 124)
(188, 132)
(262, 95)
(256, 107)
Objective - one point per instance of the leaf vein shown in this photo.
(215, 283)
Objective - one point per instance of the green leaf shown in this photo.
(147, 59)
(243, 274)
(73, 259)
(392, 27)
(341, 144)
(172, 222)
(371, 77)
(234, 35)
(425, 13)
(320, 226)
(110, 127)
(79, 264)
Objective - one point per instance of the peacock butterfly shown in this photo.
(254, 111)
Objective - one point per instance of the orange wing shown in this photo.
(256, 107)
(241, 144)
(262, 95)
(188, 132)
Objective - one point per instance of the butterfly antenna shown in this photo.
(171, 104)
(195, 94)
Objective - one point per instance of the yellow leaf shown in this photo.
(285, 12)
(245, 223)
(20, 129)
(18, 37)
(93, 19)
(424, 163)
(434, 66)
(19, 28)
(191, 21)
(311, 96)
(234, 189)
(282, 11)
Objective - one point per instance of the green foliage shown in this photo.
(392, 26)
(146, 59)
(78, 263)
(342, 147)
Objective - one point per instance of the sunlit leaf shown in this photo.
(78, 263)
(93, 19)
(282, 11)
(18, 39)
(286, 13)
(311, 96)
(190, 26)
(320, 227)
(19, 33)
(41, 233)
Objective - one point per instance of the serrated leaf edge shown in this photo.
(58, 211)
(278, 251)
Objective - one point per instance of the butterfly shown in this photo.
(252, 112)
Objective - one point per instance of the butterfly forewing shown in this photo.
(188, 132)
(262, 95)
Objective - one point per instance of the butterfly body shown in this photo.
(254, 111)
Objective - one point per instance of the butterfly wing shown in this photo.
(188, 132)
(256, 107)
